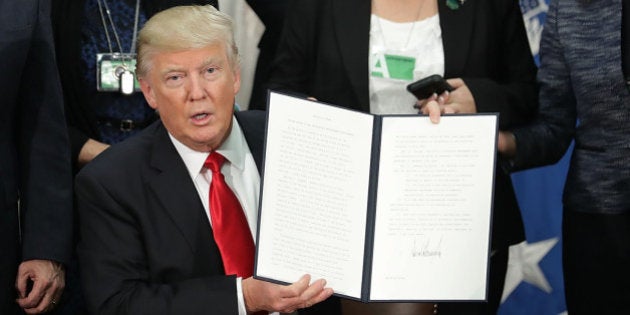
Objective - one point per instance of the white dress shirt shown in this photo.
(241, 175)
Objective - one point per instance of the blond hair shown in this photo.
(182, 28)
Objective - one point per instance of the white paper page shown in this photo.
(433, 208)
(314, 198)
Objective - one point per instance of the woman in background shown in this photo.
(585, 96)
(361, 55)
(87, 29)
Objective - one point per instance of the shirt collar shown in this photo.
(231, 149)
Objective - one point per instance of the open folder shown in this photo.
(385, 208)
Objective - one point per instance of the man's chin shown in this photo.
(209, 140)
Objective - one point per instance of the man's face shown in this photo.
(193, 91)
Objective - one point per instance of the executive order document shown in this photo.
(385, 208)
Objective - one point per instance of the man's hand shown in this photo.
(266, 296)
(48, 279)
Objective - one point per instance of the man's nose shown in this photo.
(196, 88)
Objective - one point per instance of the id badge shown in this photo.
(395, 67)
(392, 64)
(116, 73)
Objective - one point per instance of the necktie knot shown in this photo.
(214, 162)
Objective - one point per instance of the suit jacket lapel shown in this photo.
(352, 26)
(253, 124)
(457, 26)
(173, 187)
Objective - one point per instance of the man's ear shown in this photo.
(237, 79)
(147, 91)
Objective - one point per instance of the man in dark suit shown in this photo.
(35, 174)
(150, 240)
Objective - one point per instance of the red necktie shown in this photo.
(229, 225)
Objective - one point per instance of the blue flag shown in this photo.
(534, 282)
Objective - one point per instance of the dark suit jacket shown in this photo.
(147, 246)
(34, 151)
(324, 53)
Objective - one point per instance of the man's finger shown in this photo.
(313, 294)
(313, 290)
(21, 283)
(296, 289)
(34, 298)
(324, 294)
(44, 306)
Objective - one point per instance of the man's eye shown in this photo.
(174, 80)
(211, 73)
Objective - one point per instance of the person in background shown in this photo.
(271, 13)
(35, 171)
(167, 217)
(362, 55)
(95, 41)
(585, 96)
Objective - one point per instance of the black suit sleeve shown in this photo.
(44, 158)
(293, 66)
(513, 92)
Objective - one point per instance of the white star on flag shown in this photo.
(523, 266)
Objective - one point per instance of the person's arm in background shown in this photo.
(90, 149)
(514, 93)
(548, 138)
(271, 13)
(45, 174)
(291, 69)
(66, 19)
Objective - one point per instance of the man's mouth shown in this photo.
(200, 116)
